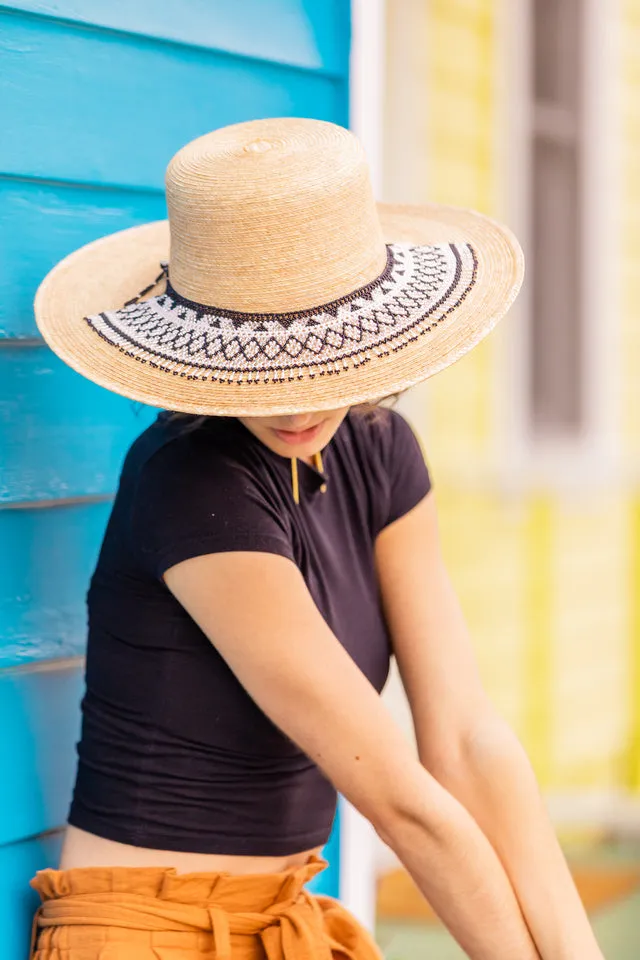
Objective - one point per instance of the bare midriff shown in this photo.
(81, 849)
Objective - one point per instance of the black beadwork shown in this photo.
(218, 334)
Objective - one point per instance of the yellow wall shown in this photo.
(461, 109)
(484, 543)
(547, 581)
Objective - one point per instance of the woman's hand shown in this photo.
(257, 611)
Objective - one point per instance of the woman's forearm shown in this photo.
(459, 873)
(493, 779)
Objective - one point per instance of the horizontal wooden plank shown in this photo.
(312, 34)
(107, 108)
(41, 707)
(42, 222)
(18, 864)
(61, 435)
(46, 561)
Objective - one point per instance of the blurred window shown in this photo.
(557, 335)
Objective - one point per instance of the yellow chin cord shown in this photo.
(295, 485)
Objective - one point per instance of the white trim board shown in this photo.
(357, 838)
(367, 82)
(357, 865)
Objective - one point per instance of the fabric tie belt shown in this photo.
(302, 927)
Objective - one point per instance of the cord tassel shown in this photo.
(294, 480)
(295, 487)
(317, 460)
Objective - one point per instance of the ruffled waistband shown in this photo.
(231, 891)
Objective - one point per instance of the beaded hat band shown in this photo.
(278, 285)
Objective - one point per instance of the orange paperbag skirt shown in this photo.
(131, 913)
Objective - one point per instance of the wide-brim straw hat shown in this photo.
(288, 289)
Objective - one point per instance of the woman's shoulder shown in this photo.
(195, 490)
(396, 471)
(379, 432)
(179, 445)
(185, 465)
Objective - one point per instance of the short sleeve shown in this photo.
(407, 474)
(189, 502)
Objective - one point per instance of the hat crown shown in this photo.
(272, 216)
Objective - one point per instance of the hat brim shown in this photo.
(105, 274)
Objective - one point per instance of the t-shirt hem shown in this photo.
(407, 507)
(199, 546)
(211, 844)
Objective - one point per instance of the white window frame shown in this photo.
(591, 457)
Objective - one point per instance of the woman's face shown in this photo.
(299, 435)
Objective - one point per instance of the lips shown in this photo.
(295, 438)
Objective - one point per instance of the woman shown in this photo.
(267, 550)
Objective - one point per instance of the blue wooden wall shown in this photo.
(95, 97)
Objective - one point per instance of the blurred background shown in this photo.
(528, 110)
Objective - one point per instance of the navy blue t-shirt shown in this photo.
(174, 754)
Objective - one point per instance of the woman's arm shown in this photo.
(257, 611)
(462, 741)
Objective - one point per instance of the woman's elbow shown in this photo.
(487, 750)
(415, 805)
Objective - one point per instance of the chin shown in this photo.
(301, 451)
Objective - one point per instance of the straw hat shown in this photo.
(288, 288)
